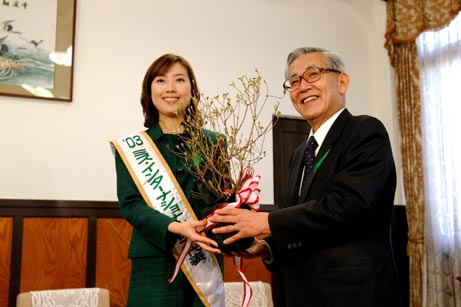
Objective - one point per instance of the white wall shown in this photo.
(60, 150)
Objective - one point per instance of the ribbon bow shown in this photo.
(248, 195)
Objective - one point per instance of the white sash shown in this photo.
(161, 191)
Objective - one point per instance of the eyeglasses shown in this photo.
(310, 75)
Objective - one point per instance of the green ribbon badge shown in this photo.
(320, 161)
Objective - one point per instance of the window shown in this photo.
(440, 63)
(440, 74)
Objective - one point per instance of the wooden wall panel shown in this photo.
(54, 253)
(112, 263)
(253, 269)
(51, 244)
(6, 235)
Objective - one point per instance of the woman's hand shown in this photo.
(188, 229)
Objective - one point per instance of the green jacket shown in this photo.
(150, 228)
(151, 244)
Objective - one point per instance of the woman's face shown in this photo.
(172, 92)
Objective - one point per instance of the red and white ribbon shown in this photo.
(248, 195)
(247, 291)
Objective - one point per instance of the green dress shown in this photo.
(151, 244)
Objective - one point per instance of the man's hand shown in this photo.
(246, 223)
(257, 249)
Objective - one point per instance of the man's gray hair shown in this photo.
(333, 59)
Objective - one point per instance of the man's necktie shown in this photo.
(309, 156)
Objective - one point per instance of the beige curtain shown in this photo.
(406, 19)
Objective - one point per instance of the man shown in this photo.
(332, 241)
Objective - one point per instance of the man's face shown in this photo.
(319, 100)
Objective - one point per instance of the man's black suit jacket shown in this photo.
(333, 240)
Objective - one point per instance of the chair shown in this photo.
(90, 297)
(262, 294)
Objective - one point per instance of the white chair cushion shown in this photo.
(262, 294)
(88, 297)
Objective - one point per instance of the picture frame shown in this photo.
(37, 43)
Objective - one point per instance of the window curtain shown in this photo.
(440, 73)
(406, 19)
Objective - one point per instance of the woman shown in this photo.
(169, 96)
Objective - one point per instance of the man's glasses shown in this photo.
(310, 75)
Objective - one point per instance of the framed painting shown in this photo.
(36, 48)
